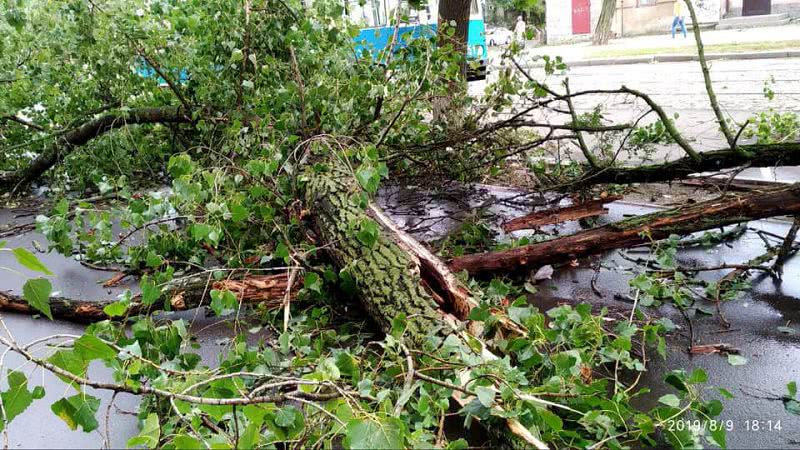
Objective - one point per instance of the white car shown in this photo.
(498, 36)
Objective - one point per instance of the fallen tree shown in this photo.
(727, 210)
(293, 188)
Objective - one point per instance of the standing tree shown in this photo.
(602, 32)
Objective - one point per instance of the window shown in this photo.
(648, 2)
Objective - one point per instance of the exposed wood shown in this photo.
(591, 208)
(64, 143)
(712, 348)
(180, 295)
(702, 216)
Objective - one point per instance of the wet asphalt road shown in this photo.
(679, 88)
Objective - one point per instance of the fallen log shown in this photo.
(180, 295)
(716, 213)
(65, 142)
(387, 269)
(591, 208)
(753, 155)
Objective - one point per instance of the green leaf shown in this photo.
(116, 309)
(792, 388)
(368, 178)
(89, 347)
(153, 259)
(670, 400)
(459, 444)
(717, 436)
(485, 396)
(286, 416)
(223, 302)
(313, 282)
(180, 165)
(792, 406)
(150, 292)
(37, 293)
(371, 434)
(737, 360)
(698, 376)
(70, 361)
(78, 411)
(368, 233)
(786, 330)
(553, 421)
(17, 398)
(186, 441)
(148, 437)
(725, 393)
(29, 260)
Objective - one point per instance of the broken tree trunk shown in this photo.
(591, 208)
(65, 142)
(179, 295)
(387, 269)
(698, 217)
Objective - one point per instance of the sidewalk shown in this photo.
(767, 42)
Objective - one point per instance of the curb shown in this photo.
(678, 58)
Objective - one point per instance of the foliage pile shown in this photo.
(237, 94)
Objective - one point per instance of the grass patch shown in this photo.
(733, 47)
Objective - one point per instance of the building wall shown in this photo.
(558, 20)
(791, 7)
(635, 18)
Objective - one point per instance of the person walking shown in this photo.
(519, 30)
(678, 19)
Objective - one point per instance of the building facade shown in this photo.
(575, 20)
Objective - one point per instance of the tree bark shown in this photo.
(602, 31)
(701, 216)
(757, 155)
(81, 135)
(455, 11)
(180, 295)
(389, 281)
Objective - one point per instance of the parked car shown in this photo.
(498, 36)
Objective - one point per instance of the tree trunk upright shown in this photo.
(455, 12)
(453, 18)
(603, 30)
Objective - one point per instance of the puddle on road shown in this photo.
(773, 357)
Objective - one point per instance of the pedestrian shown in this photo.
(519, 29)
(678, 18)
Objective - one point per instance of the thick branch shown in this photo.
(180, 295)
(698, 217)
(757, 155)
(81, 135)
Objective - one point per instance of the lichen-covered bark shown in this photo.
(387, 278)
